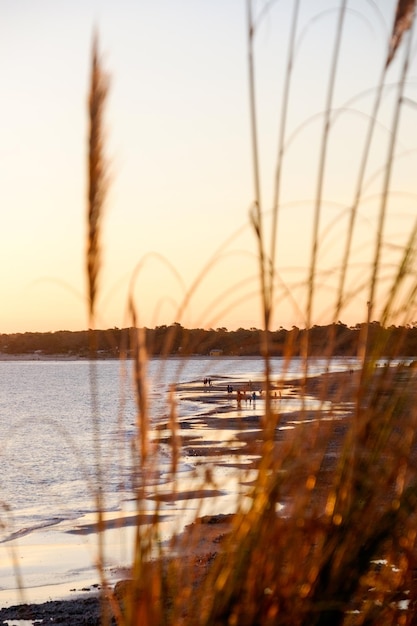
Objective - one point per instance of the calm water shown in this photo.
(47, 429)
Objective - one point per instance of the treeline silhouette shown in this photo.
(333, 339)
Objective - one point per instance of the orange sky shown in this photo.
(179, 146)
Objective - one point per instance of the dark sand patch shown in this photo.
(78, 612)
(185, 495)
(117, 522)
(192, 552)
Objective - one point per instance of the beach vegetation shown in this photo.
(328, 533)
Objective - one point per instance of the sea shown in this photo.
(55, 416)
(68, 429)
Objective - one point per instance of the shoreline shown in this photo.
(196, 546)
(241, 425)
(33, 356)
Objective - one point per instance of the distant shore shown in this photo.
(33, 356)
(39, 357)
(335, 339)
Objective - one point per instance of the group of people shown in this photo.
(241, 395)
(245, 394)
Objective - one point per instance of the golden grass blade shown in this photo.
(265, 273)
(403, 20)
(140, 378)
(387, 180)
(175, 438)
(322, 165)
(256, 212)
(281, 143)
(97, 188)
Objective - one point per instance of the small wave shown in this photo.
(22, 532)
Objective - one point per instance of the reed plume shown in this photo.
(97, 176)
(97, 188)
(404, 18)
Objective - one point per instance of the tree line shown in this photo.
(333, 339)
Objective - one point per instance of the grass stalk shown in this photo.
(97, 188)
(322, 167)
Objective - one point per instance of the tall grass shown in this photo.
(96, 195)
(344, 552)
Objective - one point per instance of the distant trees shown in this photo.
(333, 339)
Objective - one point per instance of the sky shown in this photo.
(177, 235)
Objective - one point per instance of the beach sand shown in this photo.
(237, 450)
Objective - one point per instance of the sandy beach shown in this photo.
(231, 442)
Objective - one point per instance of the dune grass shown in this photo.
(344, 552)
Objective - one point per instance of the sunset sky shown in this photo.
(179, 148)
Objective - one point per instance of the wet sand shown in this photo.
(238, 449)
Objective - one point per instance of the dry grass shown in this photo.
(345, 551)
